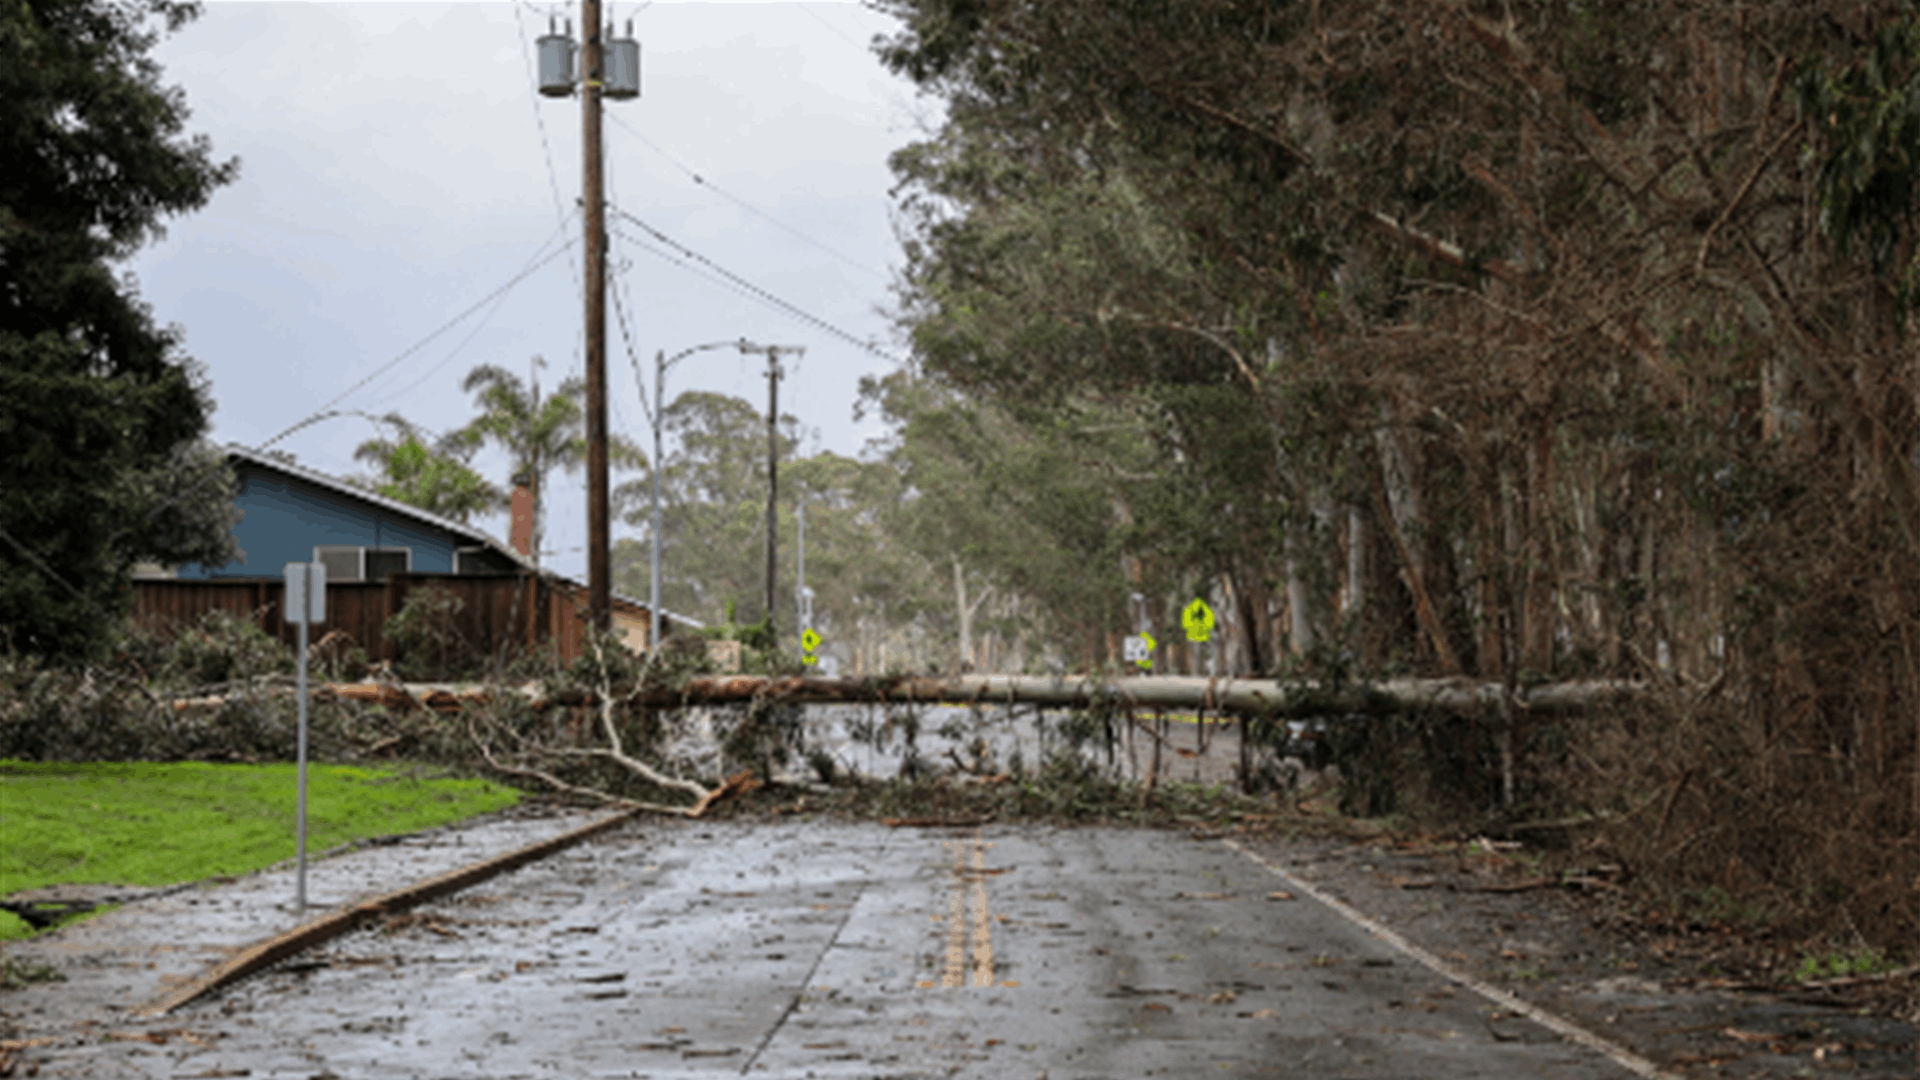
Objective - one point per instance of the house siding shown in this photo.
(286, 518)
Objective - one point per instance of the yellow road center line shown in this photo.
(956, 923)
(982, 928)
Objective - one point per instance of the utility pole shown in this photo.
(773, 475)
(620, 80)
(773, 455)
(599, 585)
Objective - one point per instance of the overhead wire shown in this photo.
(668, 256)
(612, 278)
(744, 204)
(475, 332)
(329, 412)
(620, 316)
(834, 30)
(719, 275)
(757, 292)
(421, 344)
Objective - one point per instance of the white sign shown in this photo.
(306, 600)
(1138, 649)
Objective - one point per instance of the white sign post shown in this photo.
(306, 602)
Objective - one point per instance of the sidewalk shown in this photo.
(117, 962)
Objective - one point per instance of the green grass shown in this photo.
(154, 824)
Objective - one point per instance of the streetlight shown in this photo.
(661, 362)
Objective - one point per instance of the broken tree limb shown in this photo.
(1859, 980)
(614, 751)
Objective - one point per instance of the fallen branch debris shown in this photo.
(1844, 981)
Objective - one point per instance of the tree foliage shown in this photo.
(1516, 339)
(99, 408)
(538, 432)
(872, 599)
(435, 478)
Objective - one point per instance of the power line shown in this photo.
(327, 412)
(747, 206)
(482, 325)
(620, 316)
(759, 293)
(422, 343)
(817, 17)
(691, 268)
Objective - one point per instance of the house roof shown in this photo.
(260, 460)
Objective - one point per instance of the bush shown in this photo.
(222, 649)
(425, 633)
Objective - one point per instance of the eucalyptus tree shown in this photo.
(713, 487)
(1597, 317)
(871, 588)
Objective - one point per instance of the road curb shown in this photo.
(330, 926)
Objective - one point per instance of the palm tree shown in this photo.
(435, 478)
(537, 432)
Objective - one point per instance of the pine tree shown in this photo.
(99, 408)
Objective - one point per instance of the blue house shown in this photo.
(293, 514)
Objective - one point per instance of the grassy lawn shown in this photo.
(152, 824)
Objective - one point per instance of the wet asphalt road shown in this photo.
(839, 950)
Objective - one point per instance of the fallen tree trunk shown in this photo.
(1257, 697)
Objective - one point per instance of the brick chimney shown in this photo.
(521, 535)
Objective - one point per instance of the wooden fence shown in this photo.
(505, 614)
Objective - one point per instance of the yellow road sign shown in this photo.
(1198, 619)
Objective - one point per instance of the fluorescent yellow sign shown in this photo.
(1198, 619)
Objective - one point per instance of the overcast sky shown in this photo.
(397, 167)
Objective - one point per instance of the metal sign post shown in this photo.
(306, 602)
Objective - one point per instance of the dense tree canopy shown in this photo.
(1508, 338)
(99, 408)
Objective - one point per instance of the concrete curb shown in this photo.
(330, 926)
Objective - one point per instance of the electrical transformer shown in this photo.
(623, 66)
(557, 64)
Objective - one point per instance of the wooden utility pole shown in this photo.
(599, 588)
(773, 474)
(773, 456)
